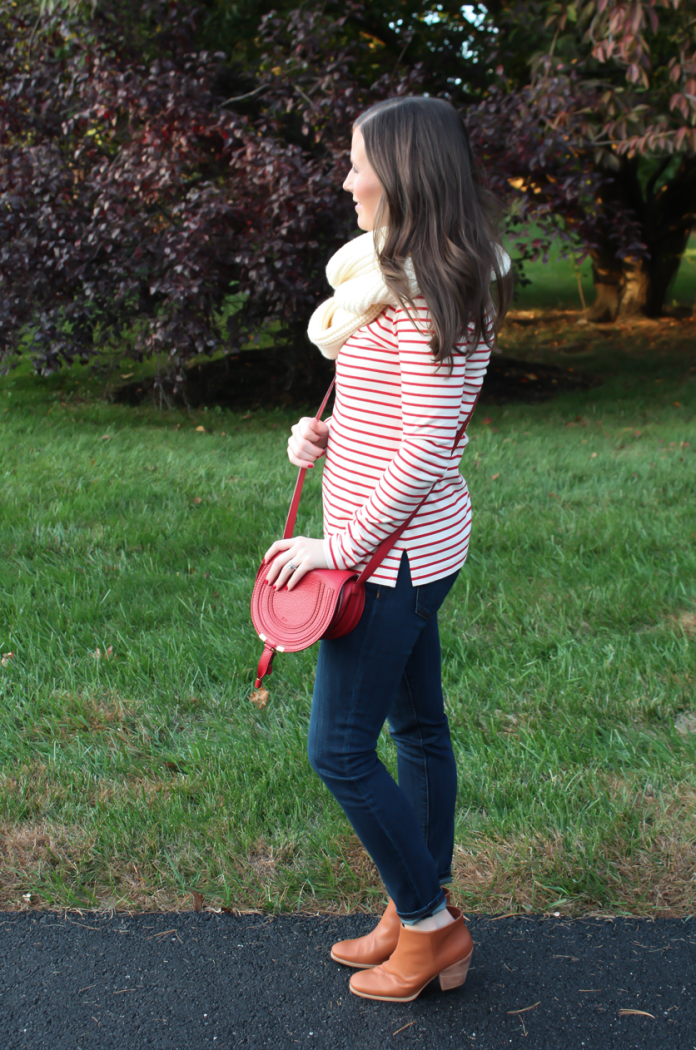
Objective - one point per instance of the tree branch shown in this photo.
(433, 61)
(249, 94)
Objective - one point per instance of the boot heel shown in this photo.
(455, 975)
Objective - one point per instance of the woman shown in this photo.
(410, 326)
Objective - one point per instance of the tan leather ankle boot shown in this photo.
(419, 957)
(374, 948)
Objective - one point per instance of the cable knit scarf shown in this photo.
(360, 295)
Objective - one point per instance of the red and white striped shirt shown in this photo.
(395, 419)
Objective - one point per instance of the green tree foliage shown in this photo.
(610, 84)
(628, 71)
(156, 156)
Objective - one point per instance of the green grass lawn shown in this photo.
(134, 771)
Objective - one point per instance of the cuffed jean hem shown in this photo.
(435, 911)
(435, 906)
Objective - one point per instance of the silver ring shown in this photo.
(292, 566)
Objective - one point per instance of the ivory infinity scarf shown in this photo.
(360, 295)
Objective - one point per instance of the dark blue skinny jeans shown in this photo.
(388, 669)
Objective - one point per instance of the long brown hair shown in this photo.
(435, 211)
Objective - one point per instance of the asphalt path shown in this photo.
(210, 981)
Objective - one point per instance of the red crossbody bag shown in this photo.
(326, 603)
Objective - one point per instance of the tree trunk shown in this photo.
(606, 274)
(625, 291)
(631, 288)
(636, 286)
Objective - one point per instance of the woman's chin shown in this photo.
(364, 224)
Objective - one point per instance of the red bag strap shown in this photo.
(386, 545)
(295, 501)
(265, 664)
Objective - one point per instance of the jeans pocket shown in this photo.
(422, 604)
(430, 596)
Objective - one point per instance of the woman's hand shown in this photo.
(292, 559)
(307, 441)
